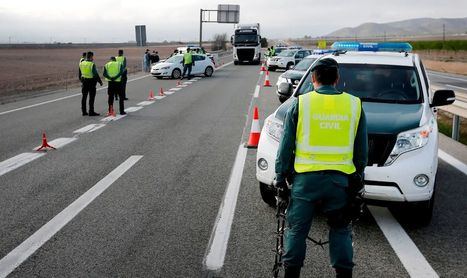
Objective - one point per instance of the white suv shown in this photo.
(287, 59)
(401, 120)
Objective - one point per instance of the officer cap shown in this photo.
(325, 63)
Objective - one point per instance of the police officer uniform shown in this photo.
(89, 78)
(188, 63)
(122, 60)
(113, 72)
(324, 141)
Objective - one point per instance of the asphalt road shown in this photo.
(156, 218)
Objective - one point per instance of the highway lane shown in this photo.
(156, 220)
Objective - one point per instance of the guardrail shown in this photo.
(458, 109)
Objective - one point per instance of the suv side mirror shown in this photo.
(443, 97)
(231, 39)
(285, 88)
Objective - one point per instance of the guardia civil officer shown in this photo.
(323, 147)
(89, 77)
(113, 72)
(188, 63)
(122, 60)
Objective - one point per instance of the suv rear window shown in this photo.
(376, 83)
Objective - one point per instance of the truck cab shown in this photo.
(246, 43)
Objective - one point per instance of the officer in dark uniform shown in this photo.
(89, 77)
(324, 146)
(122, 60)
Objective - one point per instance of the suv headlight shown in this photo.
(165, 68)
(282, 80)
(410, 140)
(274, 129)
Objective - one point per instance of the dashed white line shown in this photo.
(408, 253)
(159, 97)
(144, 103)
(175, 89)
(456, 87)
(133, 109)
(18, 255)
(17, 161)
(217, 248)
(447, 76)
(169, 92)
(112, 118)
(454, 162)
(58, 99)
(256, 94)
(89, 128)
(60, 142)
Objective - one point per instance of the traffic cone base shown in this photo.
(151, 95)
(267, 83)
(263, 68)
(111, 111)
(161, 92)
(45, 145)
(255, 132)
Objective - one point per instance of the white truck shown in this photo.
(246, 43)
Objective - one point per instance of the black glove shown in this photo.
(283, 193)
(356, 184)
(354, 208)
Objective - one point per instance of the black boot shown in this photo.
(292, 272)
(343, 273)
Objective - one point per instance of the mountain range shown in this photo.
(410, 27)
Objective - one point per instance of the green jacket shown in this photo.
(285, 155)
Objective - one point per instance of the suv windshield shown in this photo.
(304, 64)
(287, 53)
(376, 83)
(174, 59)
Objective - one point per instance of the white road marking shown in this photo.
(187, 83)
(456, 87)
(224, 65)
(256, 94)
(159, 97)
(18, 255)
(144, 103)
(182, 86)
(215, 255)
(175, 89)
(169, 93)
(62, 98)
(261, 73)
(60, 142)
(112, 118)
(89, 128)
(446, 76)
(460, 104)
(454, 162)
(17, 161)
(408, 253)
(133, 109)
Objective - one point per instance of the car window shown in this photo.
(299, 55)
(174, 59)
(304, 64)
(287, 53)
(199, 57)
(376, 83)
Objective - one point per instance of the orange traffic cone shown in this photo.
(255, 132)
(179, 83)
(151, 95)
(111, 111)
(263, 67)
(267, 83)
(161, 92)
(44, 145)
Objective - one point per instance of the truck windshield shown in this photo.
(243, 38)
(376, 83)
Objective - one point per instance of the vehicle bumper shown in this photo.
(267, 149)
(162, 73)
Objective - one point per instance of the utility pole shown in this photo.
(200, 28)
(444, 32)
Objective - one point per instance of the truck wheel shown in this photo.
(268, 194)
(176, 73)
(422, 212)
(208, 71)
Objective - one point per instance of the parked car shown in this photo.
(173, 67)
(286, 59)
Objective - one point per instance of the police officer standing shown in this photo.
(324, 146)
(272, 52)
(188, 63)
(113, 72)
(83, 57)
(122, 60)
(89, 77)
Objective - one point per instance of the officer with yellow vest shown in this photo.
(113, 72)
(89, 77)
(324, 146)
(188, 63)
(122, 60)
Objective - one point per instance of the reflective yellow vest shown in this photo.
(86, 69)
(188, 58)
(121, 59)
(113, 69)
(326, 130)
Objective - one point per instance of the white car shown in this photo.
(401, 121)
(173, 67)
(286, 59)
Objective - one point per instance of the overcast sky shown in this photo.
(114, 20)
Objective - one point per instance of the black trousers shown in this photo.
(188, 68)
(114, 89)
(124, 80)
(88, 88)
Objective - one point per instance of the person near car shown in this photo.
(188, 63)
(122, 60)
(156, 57)
(174, 53)
(83, 57)
(113, 73)
(272, 51)
(147, 61)
(89, 78)
(324, 145)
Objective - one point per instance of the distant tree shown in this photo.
(264, 42)
(219, 42)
